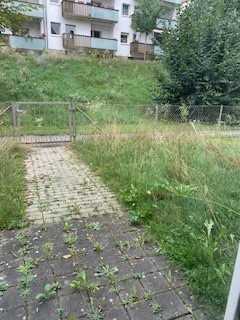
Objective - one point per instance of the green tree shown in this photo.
(145, 16)
(12, 14)
(202, 55)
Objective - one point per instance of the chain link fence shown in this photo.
(78, 118)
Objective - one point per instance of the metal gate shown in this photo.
(38, 122)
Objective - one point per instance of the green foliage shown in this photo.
(96, 226)
(185, 191)
(203, 55)
(12, 186)
(95, 313)
(49, 292)
(105, 270)
(145, 15)
(70, 239)
(29, 78)
(26, 277)
(81, 282)
(3, 287)
(12, 16)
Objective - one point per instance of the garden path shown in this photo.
(78, 231)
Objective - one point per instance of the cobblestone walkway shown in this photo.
(80, 258)
(58, 186)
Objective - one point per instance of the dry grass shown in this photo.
(185, 189)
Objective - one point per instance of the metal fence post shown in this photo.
(14, 116)
(14, 119)
(72, 121)
(220, 116)
(157, 112)
(233, 304)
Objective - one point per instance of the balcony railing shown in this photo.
(31, 8)
(26, 43)
(141, 50)
(77, 41)
(166, 23)
(73, 9)
(178, 2)
(158, 51)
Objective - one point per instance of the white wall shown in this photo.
(124, 25)
(54, 14)
(109, 30)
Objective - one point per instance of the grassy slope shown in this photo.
(185, 192)
(43, 78)
(12, 186)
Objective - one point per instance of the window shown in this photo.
(55, 28)
(96, 34)
(124, 37)
(125, 9)
(157, 37)
(70, 28)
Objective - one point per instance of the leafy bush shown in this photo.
(203, 55)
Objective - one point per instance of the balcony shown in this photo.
(166, 23)
(75, 10)
(26, 43)
(31, 8)
(176, 2)
(140, 50)
(158, 51)
(77, 41)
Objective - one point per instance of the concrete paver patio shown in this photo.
(81, 255)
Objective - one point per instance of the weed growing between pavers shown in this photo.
(184, 190)
(82, 282)
(3, 287)
(95, 289)
(49, 292)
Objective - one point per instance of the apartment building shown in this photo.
(90, 25)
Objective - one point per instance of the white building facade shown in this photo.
(88, 25)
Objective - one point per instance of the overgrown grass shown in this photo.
(186, 191)
(29, 78)
(12, 186)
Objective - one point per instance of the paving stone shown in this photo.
(175, 277)
(143, 311)
(171, 305)
(11, 276)
(11, 298)
(130, 289)
(13, 314)
(106, 298)
(43, 311)
(124, 270)
(155, 282)
(116, 314)
(161, 262)
(188, 317)
(75, 305)
(188, 298)
(144, 265)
